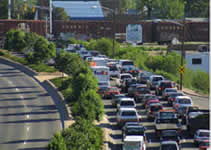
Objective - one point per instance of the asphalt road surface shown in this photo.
(28, 115)
(153, 140)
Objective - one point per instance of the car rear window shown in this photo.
(171, 90)
(166, 84)
(155, 108)
(129, 113)
(157, 79)
(184, 101)
(127, 63)
(169, 147)
(204, 134)
(167, 115)
(125, 77)
(113, 68)
(127, 103)
(135, 131)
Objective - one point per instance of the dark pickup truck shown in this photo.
(197, 119)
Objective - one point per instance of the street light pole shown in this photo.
(9, 9)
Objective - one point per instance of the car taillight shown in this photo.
(177, 105)
(150, 111)
(137, 94)
(197, 140)
(159, 88)
(179, 131)
(179, 142)
(172, 99)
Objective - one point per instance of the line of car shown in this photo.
(134, 86)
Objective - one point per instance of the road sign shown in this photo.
(182, 69)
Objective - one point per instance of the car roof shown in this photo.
(156, 76)
(131, 123)
(170, 88)
(155, 104)
(169, 142)
(185, 97)
(127, 109)
(203, 130)
(134, 138)
(123, 74)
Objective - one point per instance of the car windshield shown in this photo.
(169, 147)
(167, 121)
(204, 134)
(127, 63)
(129, 113)
(135, 131)
(157, 78)
(143, 90)
(155, 108)
(150, 97)
(184, 101)
(169, 133)
(127, 103)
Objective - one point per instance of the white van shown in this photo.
(101, 72)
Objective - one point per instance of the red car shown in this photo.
(111, 91)
(150, 102)
(204, 145)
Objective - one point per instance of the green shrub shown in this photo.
(201, 81)
(57, 142)
(42, 68)
(83, 135)
(167, 75)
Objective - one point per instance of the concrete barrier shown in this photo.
(57, 96)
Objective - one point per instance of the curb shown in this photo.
(201, 96)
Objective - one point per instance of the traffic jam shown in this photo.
(146, 111)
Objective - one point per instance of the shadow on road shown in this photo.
(30, 121)
(29, 113)
(27, 140)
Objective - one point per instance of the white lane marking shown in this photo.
(27, 116)
(16, 89)
(21, 97)
(0, 75)
(27, 128)
(24, 142)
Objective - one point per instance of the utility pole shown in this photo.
(9, 9)
(50, 15)
(114, 31)
(183, 53)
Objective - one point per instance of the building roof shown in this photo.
(81, 10)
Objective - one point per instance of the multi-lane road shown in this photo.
(153, 143)
(28, 115)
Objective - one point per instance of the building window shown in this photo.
(196, 61)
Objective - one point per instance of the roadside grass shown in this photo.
(36, 67)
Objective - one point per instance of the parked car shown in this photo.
(167, 120)
(166, 92)
(133, 131)
(172, 96)
(153, 110)
(205, 145)
(169, 145)
(133, 143)
(116, 98)
(110, 92)
(160, 87)
(153, 81)
(123, 77)
(127, 83)
(143, 77)
(182, 101)
(127, 115)
(170, 135)
(201, 135)
(140, 91)
(126, 103)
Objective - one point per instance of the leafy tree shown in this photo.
(4, 9)
(83, 135)
(30, 39)
(201, 81)
(59, 14)
(9, 39)
(199, 8)
(171, 9)
(57, 143)
(43, 50)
